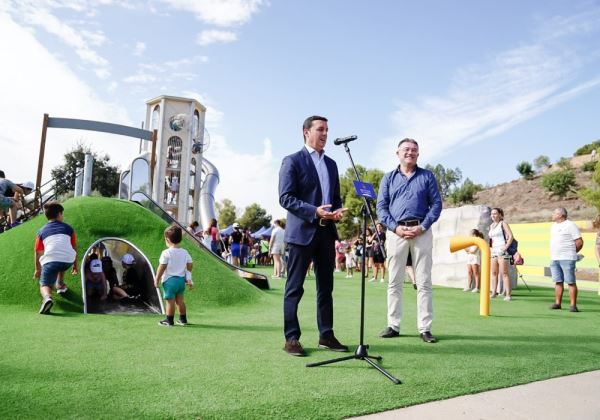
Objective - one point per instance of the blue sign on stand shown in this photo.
(364, 189)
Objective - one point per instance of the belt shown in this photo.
(323, 222)
(414, 222)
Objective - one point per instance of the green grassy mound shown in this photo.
(94, 218)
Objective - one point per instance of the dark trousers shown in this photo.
(321, 250)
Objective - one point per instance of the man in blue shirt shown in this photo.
(408, 204)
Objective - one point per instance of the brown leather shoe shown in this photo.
(332, 343)
(294, 348)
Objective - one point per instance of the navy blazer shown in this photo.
(300, 194)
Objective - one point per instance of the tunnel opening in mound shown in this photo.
(117, 278)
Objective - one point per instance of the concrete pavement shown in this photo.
(567, 397)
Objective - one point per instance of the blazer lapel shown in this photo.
(311, 171)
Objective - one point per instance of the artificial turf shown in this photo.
(229, 362)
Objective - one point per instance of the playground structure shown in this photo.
(461, 242)
(172, 169)
(167, 175)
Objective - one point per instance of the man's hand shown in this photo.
(36, 274)
(323, 212)
(408, 232)
(74, 271)
(339, 213)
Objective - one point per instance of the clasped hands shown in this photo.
(408, 232)
(324, 213)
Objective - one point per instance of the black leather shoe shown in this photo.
(389, 332)
(332, 343)
(428, 338)
(294, 348)
(573, 309)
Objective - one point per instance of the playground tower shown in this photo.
(177, 180)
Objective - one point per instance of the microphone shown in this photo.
(344, 140)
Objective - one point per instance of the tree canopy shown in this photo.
(105, 177)
(255, 217)
(226, 211)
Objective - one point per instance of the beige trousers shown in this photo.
(397, 253)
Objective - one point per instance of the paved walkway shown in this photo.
(568, 397)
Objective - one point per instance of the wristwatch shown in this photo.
(423, 228)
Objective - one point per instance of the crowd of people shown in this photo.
(241, 249)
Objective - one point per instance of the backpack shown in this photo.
(512, 248)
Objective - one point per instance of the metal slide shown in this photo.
(258, 280)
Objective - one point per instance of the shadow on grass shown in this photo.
(235, 327)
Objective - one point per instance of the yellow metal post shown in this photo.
(461, 242)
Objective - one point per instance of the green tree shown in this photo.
(541, 162)
(105, 177)
(587, 149)
(226, 211)
(524, 168)
(255, 217)
(446, 178)
(592, 195)
(559, 183)
(347, 228)
(465, 194)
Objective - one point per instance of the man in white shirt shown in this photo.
(565, 243)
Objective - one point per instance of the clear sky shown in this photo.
(481, 85)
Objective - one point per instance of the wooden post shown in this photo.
(38, 181)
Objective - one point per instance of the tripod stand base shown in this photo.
(360, 354)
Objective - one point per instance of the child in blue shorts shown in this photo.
(55, 252)
(174, 262)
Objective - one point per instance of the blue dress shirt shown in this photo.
(319, 161)
(408, 198)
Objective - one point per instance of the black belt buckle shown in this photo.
(409, 223)
(322, 222)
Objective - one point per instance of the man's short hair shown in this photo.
(407, 140)
(52, 210)
(308, 122)
(2, 174)
(174, 234)
(277, 222)
(562, 211)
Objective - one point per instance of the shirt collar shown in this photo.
(311, 151)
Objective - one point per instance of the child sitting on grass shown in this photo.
(174, 262)
(55, 252)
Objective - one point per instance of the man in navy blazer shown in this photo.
(309, 189)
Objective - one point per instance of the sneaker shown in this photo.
(389, 332)
(573, 309)
(466, 289)
(382, 281)
(372, 279)
(348, 276)
(476, 290)
(46, 305)
(165, 323)
(180, 322)
(507, 298)
(555, 306)
(62, 290)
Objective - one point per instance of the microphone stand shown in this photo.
(361, 352)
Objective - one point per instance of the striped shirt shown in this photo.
(57, 241)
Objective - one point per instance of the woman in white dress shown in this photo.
(500, 238)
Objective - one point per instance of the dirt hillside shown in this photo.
(527, 201)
